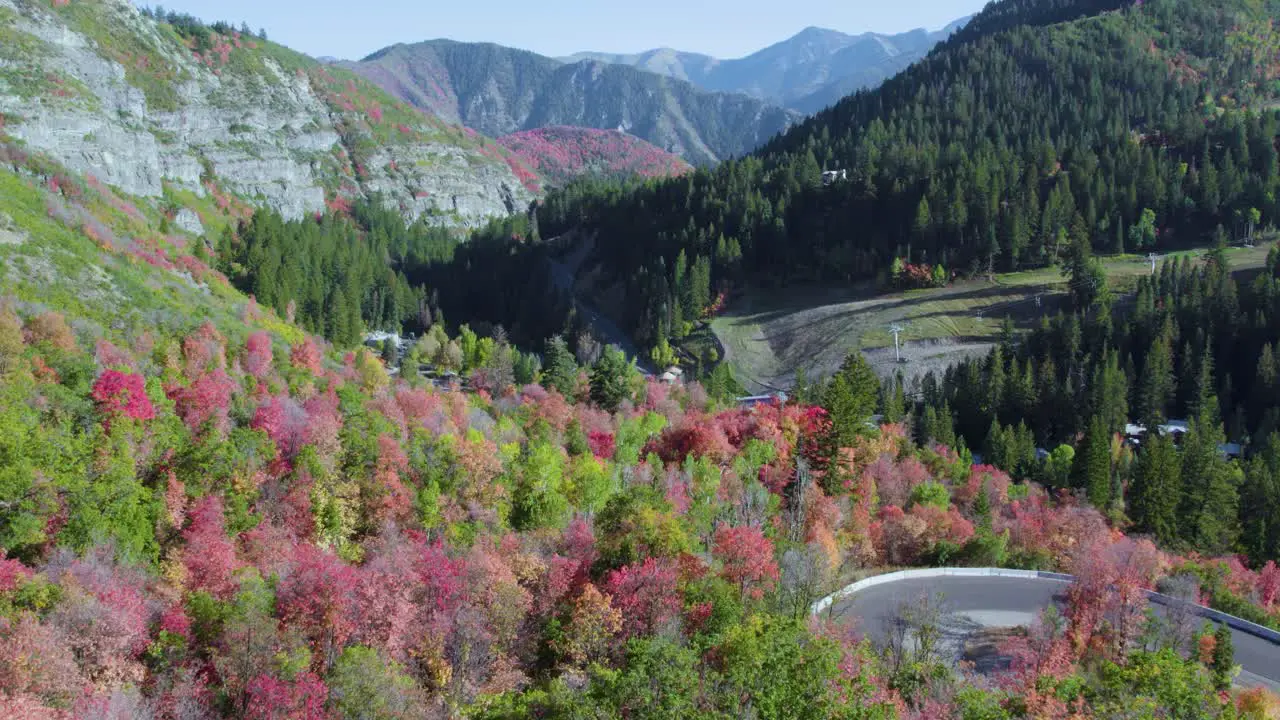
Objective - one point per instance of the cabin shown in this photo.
(672, 375)
(829, 177)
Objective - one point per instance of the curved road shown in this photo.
(990, 602)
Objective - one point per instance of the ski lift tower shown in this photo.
(897, 330)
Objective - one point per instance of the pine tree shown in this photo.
(1156, 489)
(610, 379)
(561, 369)
(1224, 659)
(1210, 502)
(1110, 396)
(893, 400)
(851, 397)
(1260, 504)
(982, 507)
(1157, 384)
(1092, 471)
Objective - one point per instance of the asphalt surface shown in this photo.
(975, 603)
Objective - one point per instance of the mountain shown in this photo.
(174, 108)
(807, 72)
(562, 154)
(498, 90)
(1065, 127)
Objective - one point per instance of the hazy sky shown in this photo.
(723, 28)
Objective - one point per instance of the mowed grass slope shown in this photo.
(769, 336)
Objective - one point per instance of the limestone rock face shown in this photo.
(111, 93)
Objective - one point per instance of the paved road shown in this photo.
(978, 602)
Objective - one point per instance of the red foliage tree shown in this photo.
(175, 622)
(210, 556)
(602, 444)
(257, 355)
(646, 594)
(36, 661)
(306, 356)
(747, 559)
(695, 436)
(317, 597)
(118, 394)
(12, 573)
(1269, 585)
(579, 542)
(204, 350)
(104, 618)
(284, 421)
(271, 698)
(110, 356)
(205, 401)
(394, 499)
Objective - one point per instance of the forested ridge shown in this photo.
(342, 274)
(1196, 356)
(1143, 127)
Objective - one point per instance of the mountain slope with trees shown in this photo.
(563, 154)
(497, 91)
(1131, 127)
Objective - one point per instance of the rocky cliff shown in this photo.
(159, 109)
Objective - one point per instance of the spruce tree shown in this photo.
(1092, 471)
(1157, 384)
(561, 369)
(1156, 489)
(851, 397)
(1260, 504)
(1210, 501)
(610, 379)
(1224, 659)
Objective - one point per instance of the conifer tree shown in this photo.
(1260, 504)
(1092, 471)
(610, 379)
(850, 398)
(1224, 659)
(1156, 489)
(561, 369)
(1210, 501)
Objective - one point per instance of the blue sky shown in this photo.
(724, 28)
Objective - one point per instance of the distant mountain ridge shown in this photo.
(497, 91)
(806, 72)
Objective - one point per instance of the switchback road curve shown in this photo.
(989, 598)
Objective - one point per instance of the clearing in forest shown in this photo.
(769, 335)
